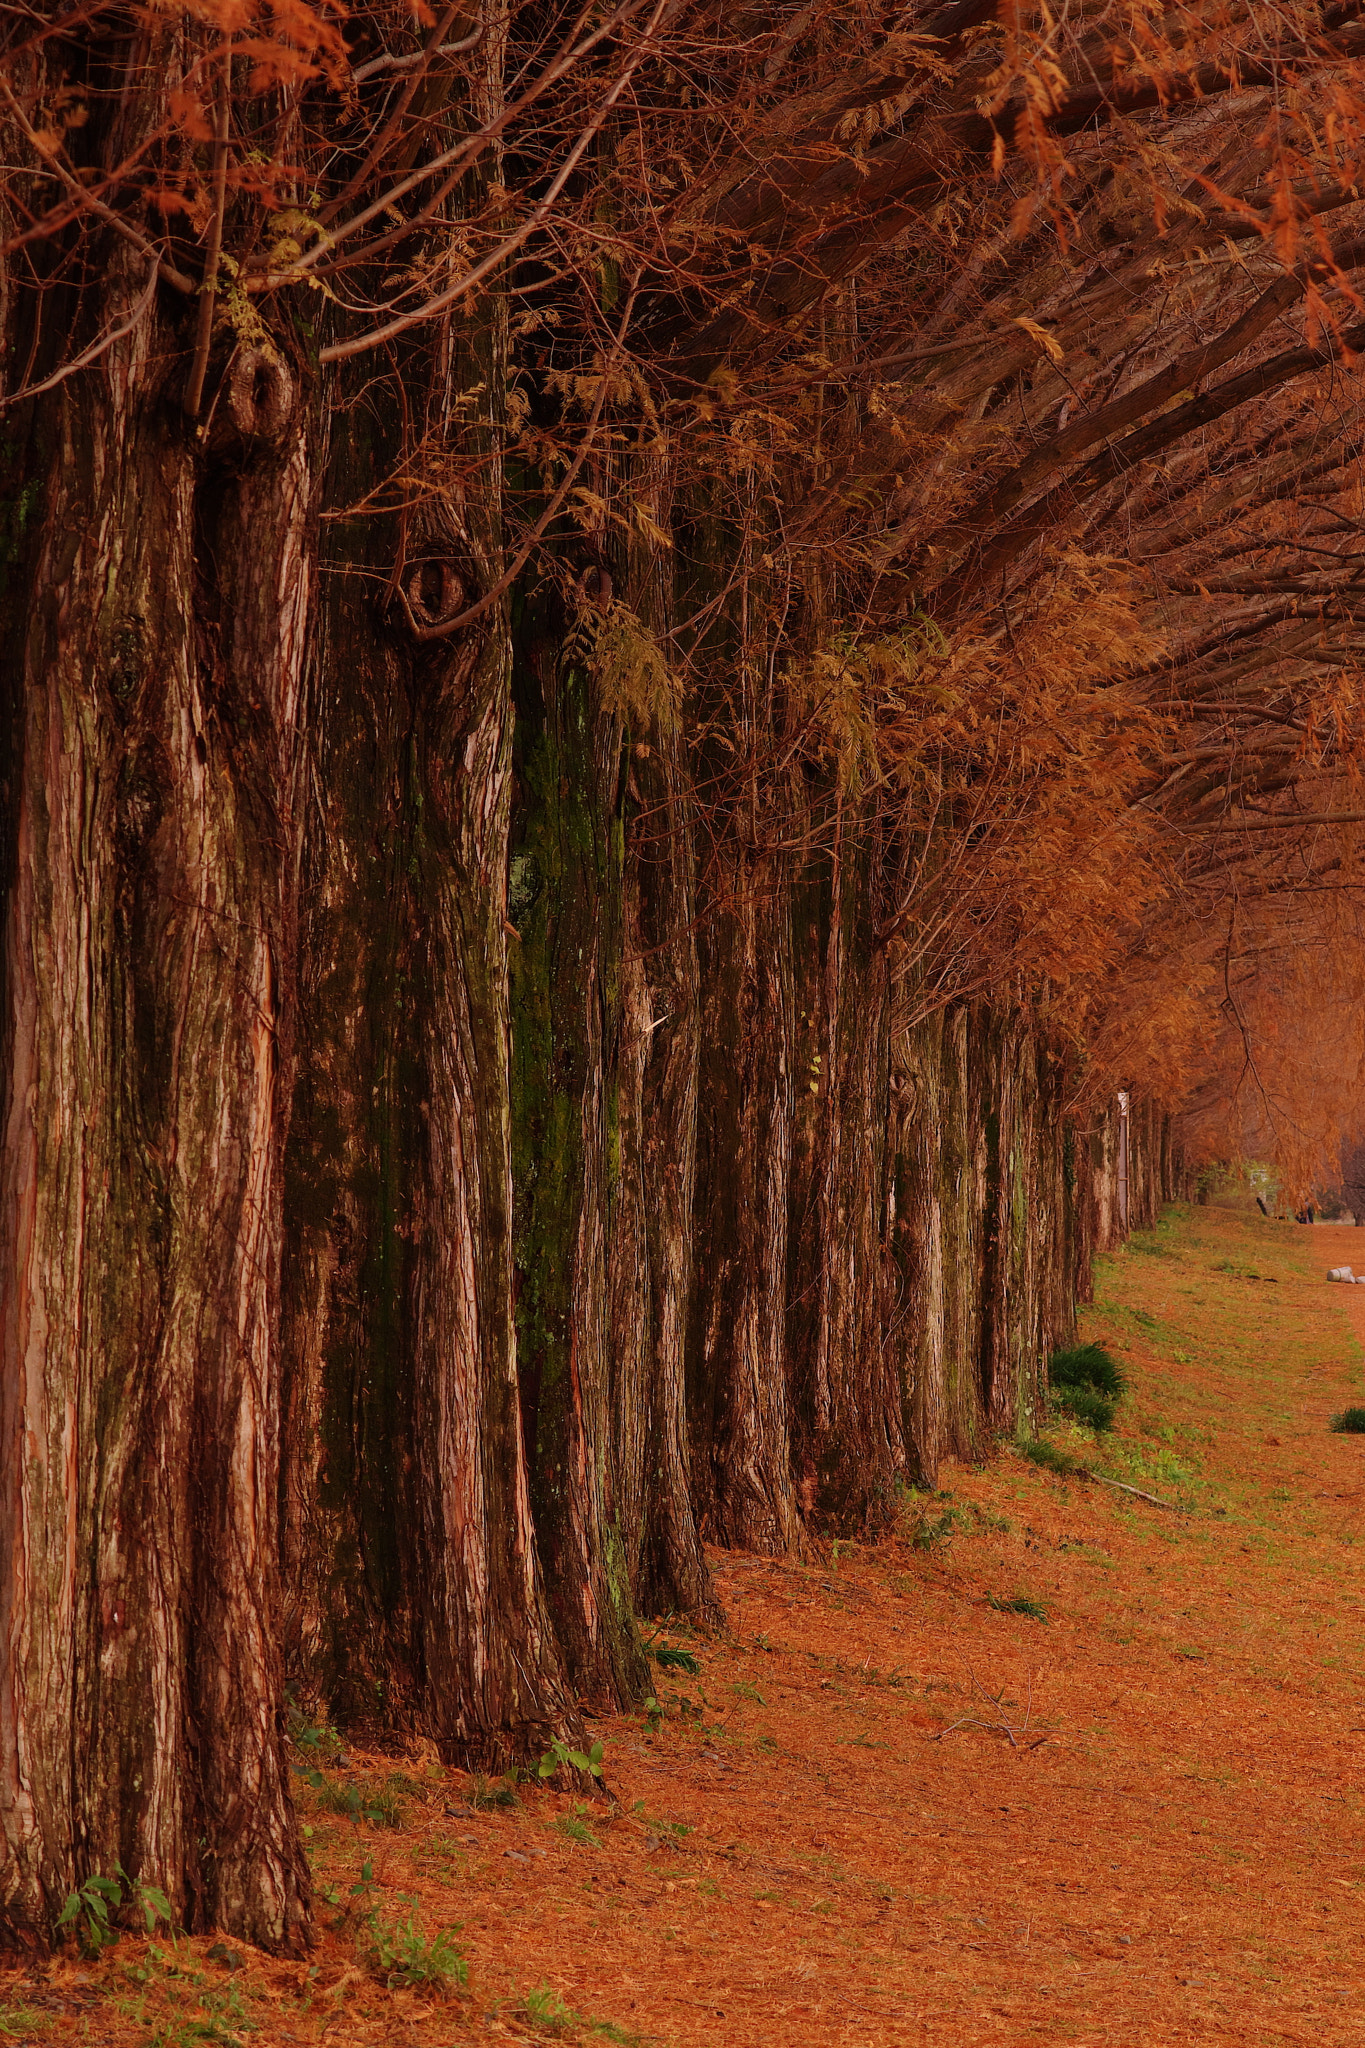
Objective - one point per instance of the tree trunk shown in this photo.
(147, 1062)
(738, 1407)
(415, 1591)
(566, 896)
(849, 1445)
(917, 1321)
(651, 1263)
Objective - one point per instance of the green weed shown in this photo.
(545, 2008)
(358, 1893)
(1088, 1365)
(21, 2022)
(1018, 1603)
(403, 1956)
(485, 1794)
(88, 1911)
(1087, 1383)
(988, 1519)
(671, 1659)
(377, 1804)
(313, 1738)
(932, 1530)
(577, 1831)
(559, 1756)
(1083, 1404)
(1350, 1422)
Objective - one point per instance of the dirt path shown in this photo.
(887, 1810)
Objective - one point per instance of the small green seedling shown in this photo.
(547, 2008)
(404, 1957)
(87, 1911)
(89, 1908)
(932, 1530)
(560, 1757)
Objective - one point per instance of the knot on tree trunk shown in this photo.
(259, 399)
(434, 595)
(434, 591)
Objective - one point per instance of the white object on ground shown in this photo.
(1342, 1273)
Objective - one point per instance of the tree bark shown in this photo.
(738, 1405)
(566, 894)
(651, 1263)
(147, 1060)
(849, 1446)
(416, 1597)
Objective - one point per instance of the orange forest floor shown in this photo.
(890, 1806)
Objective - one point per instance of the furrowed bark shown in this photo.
(407, 1497)
(738, 1403)
(566, 890)
(651, 1264)
(849, 1448)
(147, 1065)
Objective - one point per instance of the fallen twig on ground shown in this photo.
(1136, 1491)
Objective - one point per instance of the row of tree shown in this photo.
(652, 649)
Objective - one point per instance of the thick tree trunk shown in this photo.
(415, 1595)
(148, 963)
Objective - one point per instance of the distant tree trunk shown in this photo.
(916, 1255)
(149, 935)
(566, 983)
(738, 1405)
(962, 1171)
(849, 1445)
(650, 1252)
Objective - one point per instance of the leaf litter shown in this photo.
(888, 1805)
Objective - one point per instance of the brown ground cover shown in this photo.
(890, 1807)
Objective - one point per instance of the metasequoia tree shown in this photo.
(650, 649)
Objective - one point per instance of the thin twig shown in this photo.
(96, 348)
(88, 203)
(440, 629)
(340, 351)
(1136, 1491)
(410, 62)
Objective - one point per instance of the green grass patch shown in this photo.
(1350, 1422)
(1017, 1603)
(1088, 1366)
(1040, 1452)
